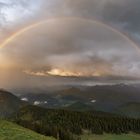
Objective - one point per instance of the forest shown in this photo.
(69, 125)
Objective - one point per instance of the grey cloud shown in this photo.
(73, 44)
(122, 14)
(13, 12)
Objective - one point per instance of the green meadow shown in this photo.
(10, 131)
(111, 137)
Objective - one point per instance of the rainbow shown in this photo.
(25, 29)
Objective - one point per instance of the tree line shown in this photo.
(68, 125)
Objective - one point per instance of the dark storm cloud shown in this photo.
(122, 14)
(126, 14)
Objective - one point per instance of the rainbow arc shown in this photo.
(23, 30)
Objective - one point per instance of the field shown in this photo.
(10, 131)
(111, 137)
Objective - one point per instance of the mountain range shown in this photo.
(118, 98)
(121, 99)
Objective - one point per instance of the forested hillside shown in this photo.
(63, 123)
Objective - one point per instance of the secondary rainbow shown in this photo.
(22, 31)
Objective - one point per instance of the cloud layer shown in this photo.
(73, 47)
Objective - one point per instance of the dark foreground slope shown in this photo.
(9, 104)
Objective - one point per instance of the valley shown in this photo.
(119, 99)
(67, 113)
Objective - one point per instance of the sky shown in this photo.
(68, 42)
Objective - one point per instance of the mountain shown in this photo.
(11, 131)
(101, 97)
(130, 110)
(79, 106)
(9, 103)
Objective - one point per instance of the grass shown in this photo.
(10, 131)
(111, 137)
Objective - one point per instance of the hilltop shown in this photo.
(9, 103)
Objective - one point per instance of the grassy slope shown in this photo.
(10, 131)
(111, 137)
